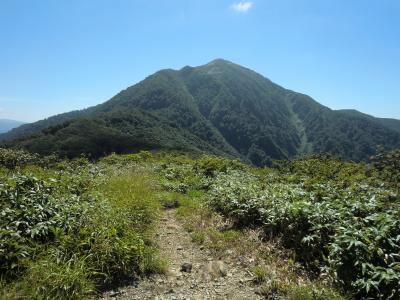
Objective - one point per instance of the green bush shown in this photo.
(32, 210)
(211, 165)
(340, 219)
(87, 223)
(10, 158)
(141, 156)
(388, 164)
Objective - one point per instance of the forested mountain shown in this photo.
(389, 123)
(31, 128)
(7, 124)
(220, 108)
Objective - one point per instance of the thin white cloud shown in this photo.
(242, 6)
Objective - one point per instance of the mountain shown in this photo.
(393, 124)
(219, 108)
(6, 124)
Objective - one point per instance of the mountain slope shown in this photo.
(32, 128)
(388, 123)
(246, 108)
(7, 124)
(350, 135)
(220, 108)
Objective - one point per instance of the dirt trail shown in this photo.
(192, 273)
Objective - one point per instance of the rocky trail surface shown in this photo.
(192, 272)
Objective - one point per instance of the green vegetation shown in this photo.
(260, 273)
(219, 108)
(68, 229)
(72, 229)
(272, 288)
(340, 219)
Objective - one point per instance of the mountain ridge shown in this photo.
(220, 108)
(8, 124)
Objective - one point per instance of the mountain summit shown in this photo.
(220, 108)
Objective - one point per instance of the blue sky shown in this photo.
(57, 56)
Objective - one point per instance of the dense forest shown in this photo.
(219, 108)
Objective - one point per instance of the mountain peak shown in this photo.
(220, 61)
(221, 66)
(220, 108)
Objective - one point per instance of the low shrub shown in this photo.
(340, 218)
(68, 231)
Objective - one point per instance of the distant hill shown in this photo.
(220, 108)
(6, 124)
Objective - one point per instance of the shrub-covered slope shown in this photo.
(220, 108)
(70, 228)
(341, 219)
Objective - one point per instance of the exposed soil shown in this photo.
(192, 273)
